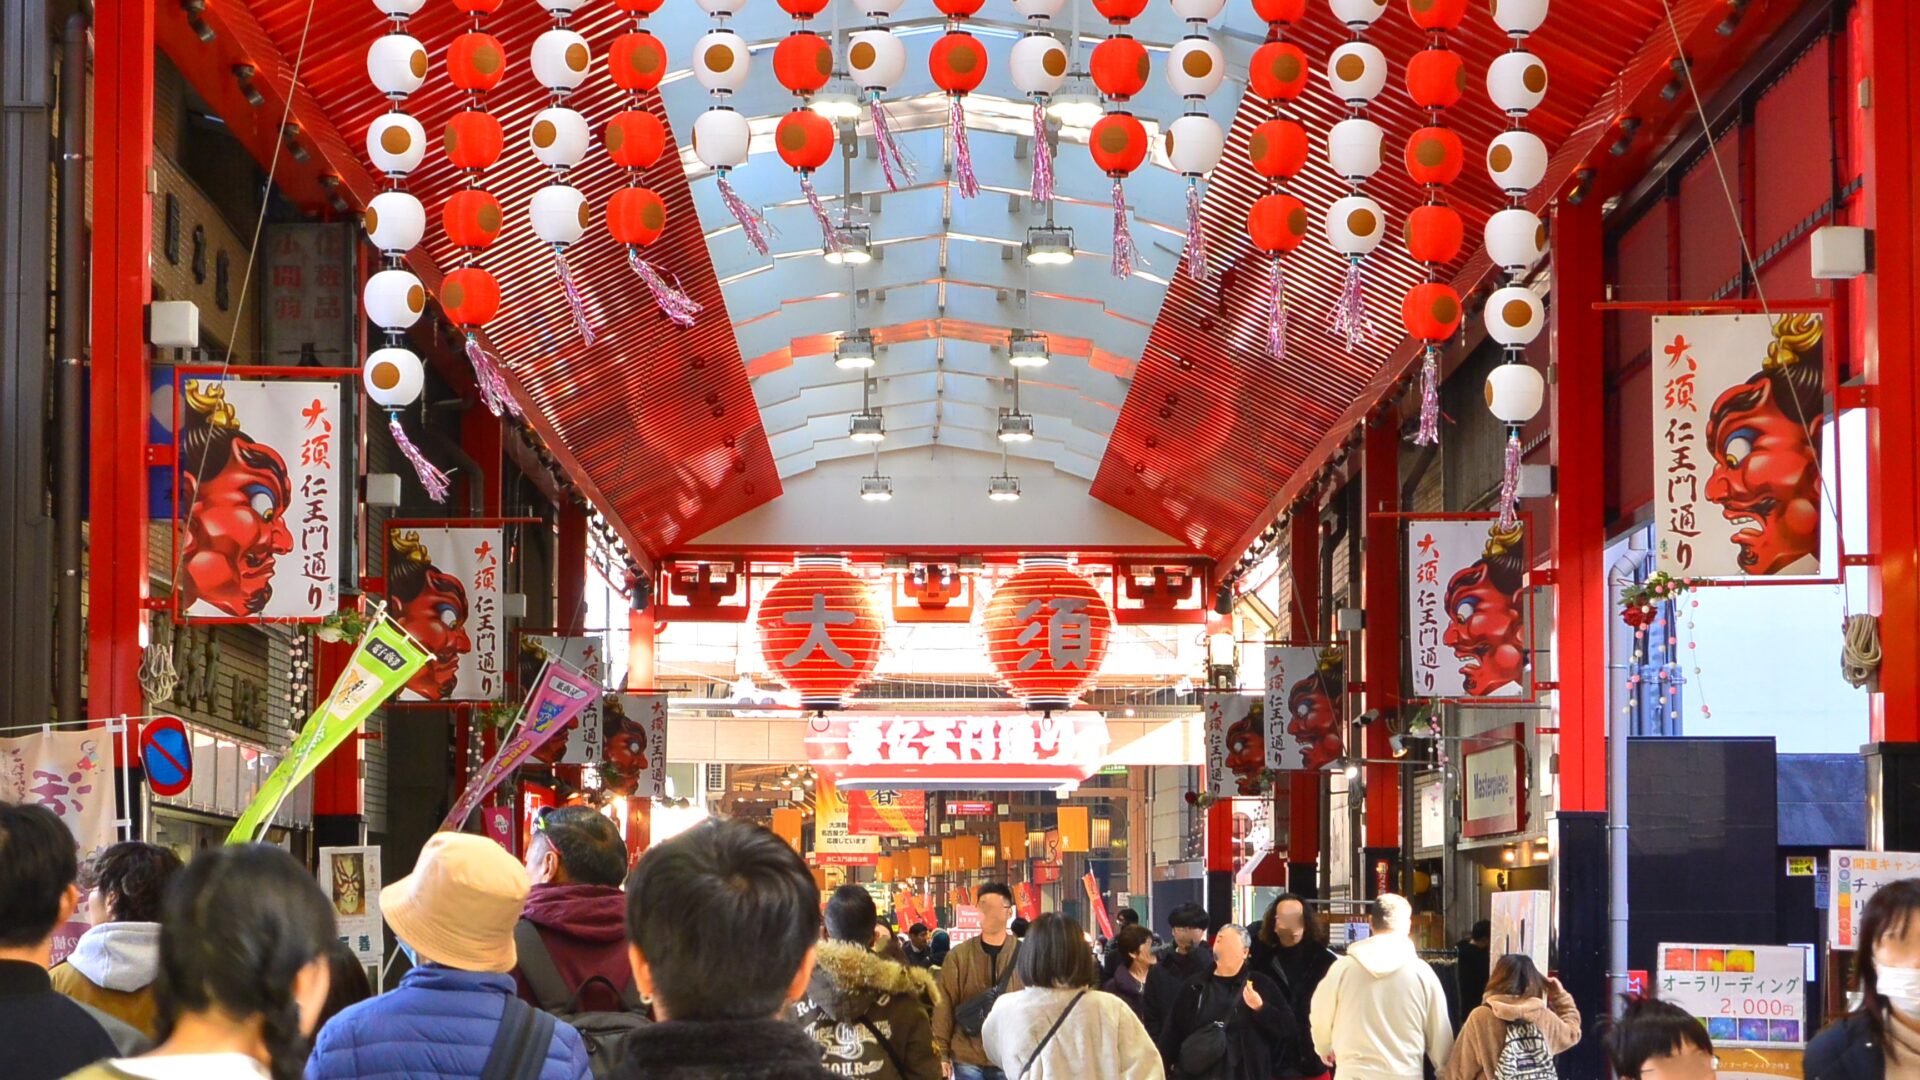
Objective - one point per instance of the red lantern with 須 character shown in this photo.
(821, 631)
(1046, 632)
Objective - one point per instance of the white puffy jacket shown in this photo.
(1380, 1009)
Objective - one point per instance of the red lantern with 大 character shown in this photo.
(1046, 631)
(821, 630)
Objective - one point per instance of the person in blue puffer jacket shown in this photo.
(454, 915)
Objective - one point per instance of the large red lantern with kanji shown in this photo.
(821, 631)
(1046, 630)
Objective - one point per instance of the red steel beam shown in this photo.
(1380, 641)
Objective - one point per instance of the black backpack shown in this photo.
(601, 1031)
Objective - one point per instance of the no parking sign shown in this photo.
(166, 753)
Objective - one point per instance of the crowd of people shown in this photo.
(716, 959)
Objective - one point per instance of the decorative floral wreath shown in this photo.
(1637, 601)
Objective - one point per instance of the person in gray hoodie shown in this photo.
(114, 966)
(1381, 1008)
(870, 1015)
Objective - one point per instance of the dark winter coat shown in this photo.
(438, 1023)
(856, 999)
(48, 1035)
(1849, 1050)
(585, 931)
(1255, 1040)
(1170, 976)
(1297, 971)
(721, 1050)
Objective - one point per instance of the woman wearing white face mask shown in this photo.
(1880, 1040)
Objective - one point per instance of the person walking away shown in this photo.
(243, 971)
(1184, 960)
(1524, 1021)
(1471, 969)
(454, 916)
(114, 965)
(976, 974)
(863, 1009)
(1058, 1028)
(1657, 1040)
(575, 913)
(1233, 1024)
(722, 924)
(1138, 967)
(1880, 1039)
(919, 948)
(1291, 949)
(1380, 1007)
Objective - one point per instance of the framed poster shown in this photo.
(259, 523)
(1493, 783)
(350, 876)
(444, 588)
(1746, 995)
(1467, 605)
(1306, 687)
(1236, 741)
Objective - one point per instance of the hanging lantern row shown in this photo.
(958, 64)
(1431, 311)
(1516, 237)
(559, 138)
(1118, 141)
(635, 139)
(1038, 64)
(1277, 221)
(877, 61)
(1195, 141)
(803, 63)
(1356, 73)
(721, 136)
(393, 298)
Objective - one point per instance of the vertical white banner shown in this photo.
(1467, 635)
(444, 583)
(1236, 744)
(638, 746)
(68, 772)
(1304, 706)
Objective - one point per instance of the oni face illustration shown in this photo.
(1485, 630)
(349, 885)
(432, 605)
(1247, 750)
(1766, 478)
(1313, 721)
(236, 492)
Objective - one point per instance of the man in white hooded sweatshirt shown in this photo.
(1380, 1007)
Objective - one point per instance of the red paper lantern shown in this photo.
(635, 139)
(803, 61)
(959, 9)
(1278, 148)
(804, 139)
(637, 61)
(1436, 78)
(1046, 632)
(1434, 155)
(1280, 11)
(473, 139)
(471, 218)
(636, 215)
(1118, 143)
(476, 61)
(803, 9)
(1431, 311)
(1119, 12)
(470, 296)
(1437, 14)
(640, 9)
(476, 7)
(824, 660)
(958, 62)
(1278, 71)
(1119, 67)
(1434, 233)
(1277, 222)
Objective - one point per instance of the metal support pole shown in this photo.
(70, 357)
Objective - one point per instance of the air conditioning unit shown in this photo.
(716, 778)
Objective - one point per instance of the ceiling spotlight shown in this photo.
(1671, 91)
(1016, 427)
(1027, 349)
(855, 350)
(245, 73)
(1076, 104)
(838, 100)
(1732, 22)
(876, 488)
(856, 246)
(866, 426)
(1628, 126)
(1398, 743)
(1003, 488)
(1049, 245)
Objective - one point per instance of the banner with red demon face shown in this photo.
(1466, 602)
(445, 588)
(1306, 706)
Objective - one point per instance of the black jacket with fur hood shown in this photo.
(857, 999)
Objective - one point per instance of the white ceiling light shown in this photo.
(1076, 104)
(876, 488)
(1003, 488)
(1049, 245)
(866, 426)
(856, 246)
(1016, 427)
(837, 100)
(1027, 349)
(855, 350)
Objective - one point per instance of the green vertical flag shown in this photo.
(381, 664)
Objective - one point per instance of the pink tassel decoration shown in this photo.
(1510, 480)
(963, 176)
(1350, 318)
(431, 478)
(752, 222)
(1042, 190)
(1277, 313)
(1196, 235)
(680, 307)
(1429, 433)
(894, 163)
(829, 236)
(1125, 255)
(576, 303)
(492, 384)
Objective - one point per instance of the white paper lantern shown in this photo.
(398, 9)
(721, 138)
(880, 9)
(875, 59)
(561, 8)
(1353, 146)
(1038, 9)
(393, 377)
(561, 59)
(721, 61)
(1355, 225)
(1357, 72)
(1037, 64)
(1517, 82)
(1198, 10)
(394, 299)
(1516, 239)
(559, 137)
(395, 143)
(1195, 67)
(395, 221)
(1357, 14)
(1515, 316)
(1517, 161)
(559, 214)
(1194, 144)
(397, 64)
(1515, 393)
(1519, 17)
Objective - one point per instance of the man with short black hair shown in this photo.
(1186, 960)
(722, 921)
(46, 1035)
(977, 967)
(1476, 960)
(867, 1013)
(575, 915)
(919, 946)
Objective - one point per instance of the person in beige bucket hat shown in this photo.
(454, 915)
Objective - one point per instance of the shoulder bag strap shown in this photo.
(886, 1047)
(537, 967)
(993, 967)
(520, 1045)
(1048, 1037)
